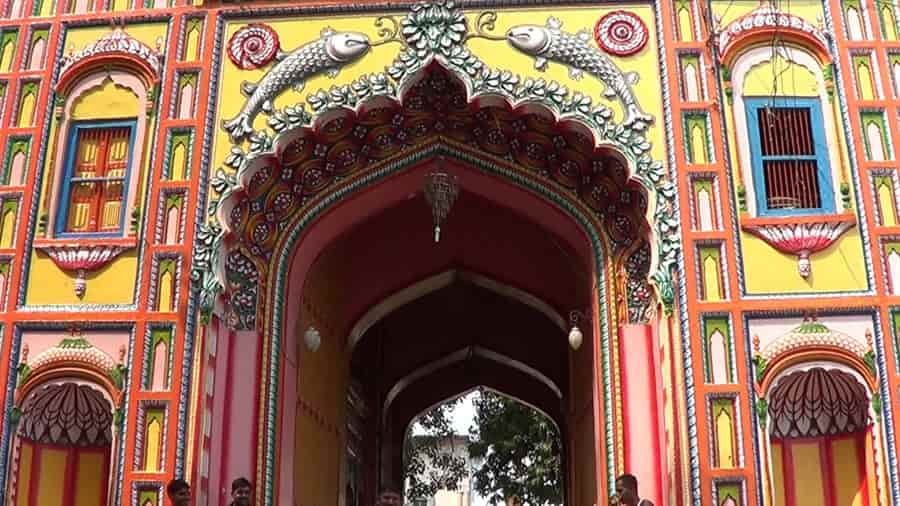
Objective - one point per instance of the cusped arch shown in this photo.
(482, 388)
(462, 355)
(128, 64)
(744, 60)
(522, 140)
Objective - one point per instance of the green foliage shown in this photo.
(24, 371)
(869, 360)
(118, 375)
(762, 411)
(876, 406)
(520, 452)
(429, 460)
(760, 365)
(516, 451)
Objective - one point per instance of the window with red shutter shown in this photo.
(97, 179)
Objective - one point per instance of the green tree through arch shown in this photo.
(513, 450)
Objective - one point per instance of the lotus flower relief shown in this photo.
(800, 239)
(82, 258)
(434, 28)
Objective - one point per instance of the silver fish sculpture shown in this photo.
(328, 54)
(550, 43)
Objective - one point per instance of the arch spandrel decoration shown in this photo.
(433, 34)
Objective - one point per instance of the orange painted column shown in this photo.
(641, 387)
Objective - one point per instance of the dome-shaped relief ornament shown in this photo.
(621, 33)
(253, 46)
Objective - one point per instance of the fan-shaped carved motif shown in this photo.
(68, 414)
(818, 402)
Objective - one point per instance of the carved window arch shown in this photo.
(64, 444)
(100, 153)
(785, 174)
(819, 429)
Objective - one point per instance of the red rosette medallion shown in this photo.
(621, 33)
(253, 46)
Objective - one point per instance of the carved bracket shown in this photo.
(82, 258)
(801, 238)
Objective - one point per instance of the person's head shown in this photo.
(627, 489)
(179, 492)
(390, 497)
(240, 492)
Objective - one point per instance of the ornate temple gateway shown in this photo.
(258, 239)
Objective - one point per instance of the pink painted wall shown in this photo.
(641, 409)
(108, 341)
(233, 438)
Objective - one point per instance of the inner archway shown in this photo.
(483, 447)
(427, 320)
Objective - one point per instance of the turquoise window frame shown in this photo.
(62, 214)
(823, 165)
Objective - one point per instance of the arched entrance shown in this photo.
(422, 337)
(66, 422)
(568, 174)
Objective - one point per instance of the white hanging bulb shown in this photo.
(575, 337)
(313, 339)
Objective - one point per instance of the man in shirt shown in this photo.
(240, 492)
(179, 492)
(390, 497)
(627, 491)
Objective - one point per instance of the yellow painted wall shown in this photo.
(838, 268)
(110, 101)
(114, 284)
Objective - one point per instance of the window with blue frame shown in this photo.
(96, 178)
(791, 171)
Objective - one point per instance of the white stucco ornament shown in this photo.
(117, 41)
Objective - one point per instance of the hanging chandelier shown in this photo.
(441, 190)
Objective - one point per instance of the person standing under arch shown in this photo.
(627, 492)
(241, 492)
